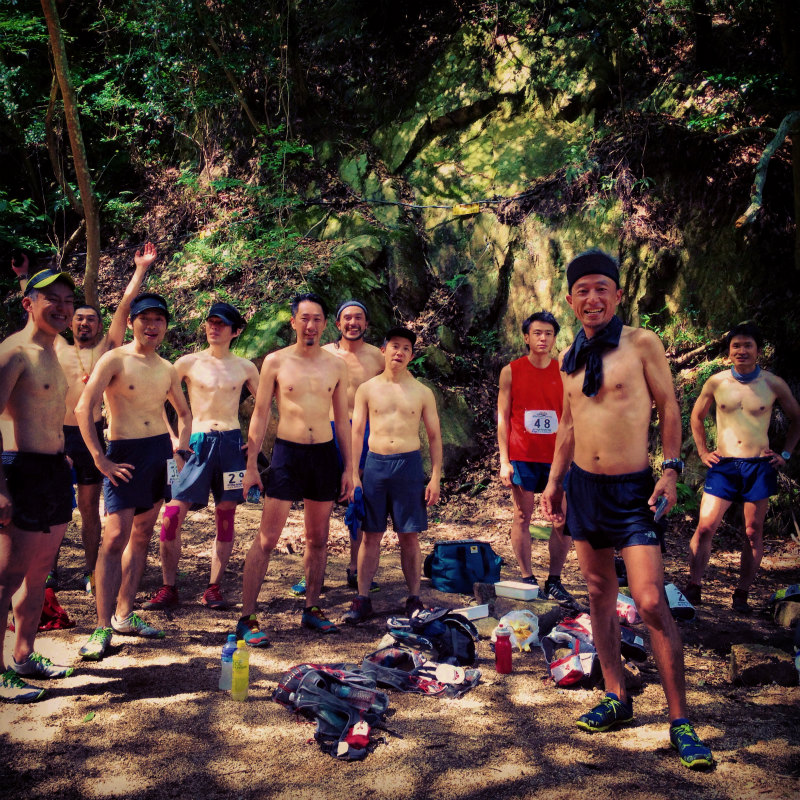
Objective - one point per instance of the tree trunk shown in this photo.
(88, 200)
(52, 151)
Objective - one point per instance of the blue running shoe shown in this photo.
(609, 712)
(693, 753)
(247, 629)
(315, 620)
(299, 589)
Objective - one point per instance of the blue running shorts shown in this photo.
(394, 486)
(86, 473)
(303, 472)
(742, 480)
(148, 484)
(532, 476)
(364, 448)
(215, 453)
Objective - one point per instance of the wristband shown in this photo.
(184, 454)
(786, 455)
(673, 463)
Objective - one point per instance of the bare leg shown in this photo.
(411, 561)
(753, 548)
(558, 549)
(221, 553)
(646, 582)
(355, 544)
(712, 510)
(597, 567)
(368, 558)
(170, 549)
(134, 559)
(273, 519)
(317, 519)
(108, 571)
(520, 528)
(89, 508)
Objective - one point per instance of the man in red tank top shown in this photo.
(528, 412)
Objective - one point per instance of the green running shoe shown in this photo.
(134, 625)
(97, 646)
(610, 711)
(693, 753)
(38, 666)
(14, 690)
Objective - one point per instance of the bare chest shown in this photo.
(301, 383)
(209, 378)
(140, 382)
(754, 399)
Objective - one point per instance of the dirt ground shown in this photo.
(160, 728)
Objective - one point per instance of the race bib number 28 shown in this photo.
(541, 422)
(233, 480)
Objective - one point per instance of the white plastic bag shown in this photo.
(524, 626)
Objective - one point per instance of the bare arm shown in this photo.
(791, 408)
(360, 416)
(504, 425)
(553, 495)
(341, 419)
(178, 401)
(430, 418)
(102, 375)
(12, 365)
(259, 421)
(116, 330)
(700, 411)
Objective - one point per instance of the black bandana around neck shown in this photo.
(590, 352)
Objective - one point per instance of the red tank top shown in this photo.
(537, 400)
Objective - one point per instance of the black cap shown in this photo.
(228, 314)
(147, 301)
(45, 277)
(592, 262)
(404, 333)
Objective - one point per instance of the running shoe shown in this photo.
(212, 598)
(693, 753)
(739, 602)
(166, 597)
(247, 629)
(14, 690)
(609, 712)
(315, 620)
(352, 581)
(97, 646)
(51, 582)
(360, 610)
(555, 591)
(299, 589)
(134, 625)
(413, 604)
(693, 594)
(87, 581)
(38, 666)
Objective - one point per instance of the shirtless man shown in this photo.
(742, 468)
(35, 484)
(216, 460)
(78, 361)
(613, 375)
(136, 382)
(528, 412)
(394, 403)
(305, 380)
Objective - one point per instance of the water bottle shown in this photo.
(502, 650)
(241, 671)
(226, 670)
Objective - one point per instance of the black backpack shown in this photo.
(438, 633)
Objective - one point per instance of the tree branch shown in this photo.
(757, 192)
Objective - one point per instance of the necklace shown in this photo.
(85, 376)
(748, 377)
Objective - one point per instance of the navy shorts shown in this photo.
(148, 484)
(742, 480)
(532, 476)
(86, 473)
(611, 510)
(364, 448)
(40, 485)
(303, 472)
(215, 453)
(394, 486)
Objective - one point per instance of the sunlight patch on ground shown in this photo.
(470, 778)
(32, 732)
(113, 780)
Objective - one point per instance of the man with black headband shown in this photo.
(216, 459)
(741, 468)
(613, 375)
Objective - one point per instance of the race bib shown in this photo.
(233, 480)
(541, 421)
(172, 471)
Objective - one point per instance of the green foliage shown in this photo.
(688, 501)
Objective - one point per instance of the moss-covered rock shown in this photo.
(456, 419)
(267, 330)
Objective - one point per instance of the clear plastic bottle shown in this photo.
(502, 650)
(241, 671)
(226, 667)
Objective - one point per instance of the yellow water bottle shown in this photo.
(241, 671)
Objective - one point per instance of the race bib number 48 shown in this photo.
(233, 480)
(541, 422)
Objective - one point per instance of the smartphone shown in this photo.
(661, 507)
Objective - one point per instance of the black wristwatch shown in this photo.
(184, 454)
(673, 463)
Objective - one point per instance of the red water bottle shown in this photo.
(502, 649)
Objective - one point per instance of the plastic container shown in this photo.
(517, 590)
(473, 612)
(502, 650)
(226, 666)
(241, 671)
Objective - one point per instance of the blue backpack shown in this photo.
(455, 566)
